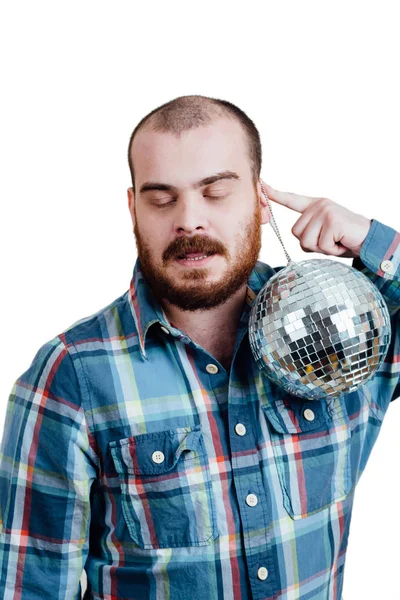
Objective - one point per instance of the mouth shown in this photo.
(195, 259)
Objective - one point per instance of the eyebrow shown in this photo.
(149, 185)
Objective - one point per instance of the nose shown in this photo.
(190, 214)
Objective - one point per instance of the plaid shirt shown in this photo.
(130, 451)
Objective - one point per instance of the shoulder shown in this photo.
(261, 273)
(98, 325)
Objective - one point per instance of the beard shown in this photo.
(190, 290)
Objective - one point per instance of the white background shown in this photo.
(320, 81)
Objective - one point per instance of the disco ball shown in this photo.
(319, 328)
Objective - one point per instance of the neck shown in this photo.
(205, 325)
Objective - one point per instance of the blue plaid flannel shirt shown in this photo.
(131, 452)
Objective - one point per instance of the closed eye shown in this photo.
(159, 202)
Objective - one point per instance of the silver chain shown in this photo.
(274, 225)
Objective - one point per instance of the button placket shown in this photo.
(258, 514)
(257, 511)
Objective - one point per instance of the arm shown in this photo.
(327, 227)
(381, 245)
(46, 470)
(379, 260)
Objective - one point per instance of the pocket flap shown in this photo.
(134, 455)
(287, 413)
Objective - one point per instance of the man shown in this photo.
(143, 443)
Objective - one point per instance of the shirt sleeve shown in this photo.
(47, 468)
(379, 260)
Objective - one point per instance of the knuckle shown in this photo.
(324, 203)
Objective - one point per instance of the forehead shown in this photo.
(219, 146)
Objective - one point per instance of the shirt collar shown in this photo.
(147, 311)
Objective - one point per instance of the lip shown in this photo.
(194, 263)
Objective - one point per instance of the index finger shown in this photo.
(296, 202)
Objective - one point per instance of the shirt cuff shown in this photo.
(380, 251)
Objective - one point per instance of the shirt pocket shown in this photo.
(166, 489)
(312, 456)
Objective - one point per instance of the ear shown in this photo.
(265, 211)
(131, 203)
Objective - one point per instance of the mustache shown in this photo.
(198, 243)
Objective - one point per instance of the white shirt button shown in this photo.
(251, 499)
(212, 369)
(158, 457)
(387, 266)
(240, 429)
(164, 329)
(262, 573)
(309, 414)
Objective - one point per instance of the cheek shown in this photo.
(235, 228)
(157, 242)
(154, 244)
(151, 230)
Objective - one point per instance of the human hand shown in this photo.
(324, 225)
